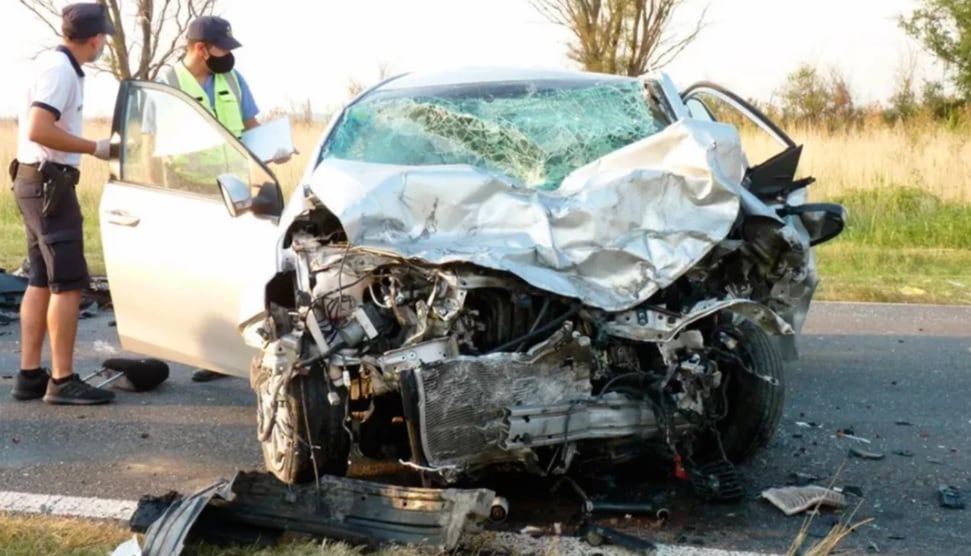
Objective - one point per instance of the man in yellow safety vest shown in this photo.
(207, 74)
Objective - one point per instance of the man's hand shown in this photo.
(102, 149)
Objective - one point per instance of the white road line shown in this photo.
(73, 506)
(103, 508)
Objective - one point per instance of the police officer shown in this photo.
(45, 172)
(207, 73)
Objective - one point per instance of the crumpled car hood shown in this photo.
(613, 233)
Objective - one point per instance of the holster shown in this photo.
(58, 182)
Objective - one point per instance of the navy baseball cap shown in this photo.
(85, 20)
(214, 30)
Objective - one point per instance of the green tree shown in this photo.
(626, 37)
(809, 95)
(943, 27)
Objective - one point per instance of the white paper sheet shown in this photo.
(270, 140)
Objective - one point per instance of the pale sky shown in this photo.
(290, 53)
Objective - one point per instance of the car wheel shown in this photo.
(755, 395)
(307, 420)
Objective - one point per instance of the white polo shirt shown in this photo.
(58, 87)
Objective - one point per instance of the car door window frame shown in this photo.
(119, 127)
(741, 105)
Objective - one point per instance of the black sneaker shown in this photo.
(76, 392)
(30, 386)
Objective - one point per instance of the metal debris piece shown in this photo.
(865, 455)
(950, 497)
(904, 453)
(801, 479)
(849, 489)
(597, 535)
(936, 461)
(356, 511)
(848, 434)
(718, 480)
(792, 500)
(904, 423)
(808, 425)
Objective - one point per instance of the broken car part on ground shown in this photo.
(489, 269)
(255, 508)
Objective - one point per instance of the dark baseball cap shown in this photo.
(214, 30)
(85, 20)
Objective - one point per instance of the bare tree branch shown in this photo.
(620, 36)
(45, 11)
(146, 38)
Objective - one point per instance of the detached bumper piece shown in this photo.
(257, 508)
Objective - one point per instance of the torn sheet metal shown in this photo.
(613, 233)
(167, 535)
(256, 505)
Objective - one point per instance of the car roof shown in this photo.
(492, 74)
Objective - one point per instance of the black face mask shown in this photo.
(221, 64)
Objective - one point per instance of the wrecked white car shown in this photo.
(487, 268)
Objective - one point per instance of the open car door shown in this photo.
(772, 178)
(188, 219)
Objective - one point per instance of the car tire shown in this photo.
(755, 399)
(287, 454)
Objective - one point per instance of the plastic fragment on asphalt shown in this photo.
(950, 497)
(865, 455)
(792, 500)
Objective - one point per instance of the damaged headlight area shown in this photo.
(453, 369)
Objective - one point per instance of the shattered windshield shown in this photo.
(533, 132)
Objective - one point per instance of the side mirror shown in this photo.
(236, 194)
(823, 221)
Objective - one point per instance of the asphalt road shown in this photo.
(864, 367)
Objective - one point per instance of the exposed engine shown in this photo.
(454, 368)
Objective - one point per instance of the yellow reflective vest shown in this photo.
(204, 166)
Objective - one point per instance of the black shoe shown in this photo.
(76, 392)
(30, 386)
(205, 375)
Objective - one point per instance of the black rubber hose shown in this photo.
(538, 332)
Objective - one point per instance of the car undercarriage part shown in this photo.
(590, 506)
(716, 481)
(254, 506)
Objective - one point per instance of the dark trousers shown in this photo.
(55, 243)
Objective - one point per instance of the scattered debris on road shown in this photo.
(597, 535)
(904, 453)
(950, 497)
(849, 434)
(792, 500)
(131, 375)
(801, 479)
(856, 452)
(850, 489)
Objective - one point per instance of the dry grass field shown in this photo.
(907, 188)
